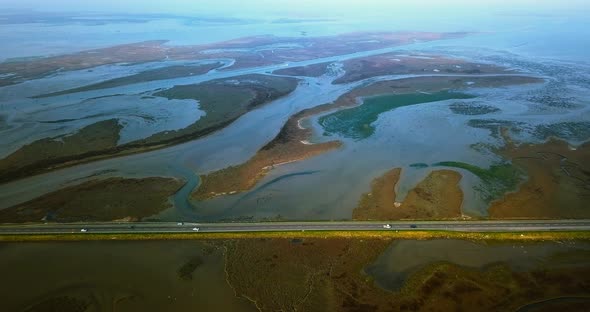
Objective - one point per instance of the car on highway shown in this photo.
(196, 229)
(83, 230)
(387, 226)
(413, 226)
(180, 223)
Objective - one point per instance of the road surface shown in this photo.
(170, 227)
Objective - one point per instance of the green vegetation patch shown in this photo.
(472, 108)
(579, 131)
(496, 180)
(494, 125)
(356, 122)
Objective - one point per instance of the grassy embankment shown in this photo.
(487, 236)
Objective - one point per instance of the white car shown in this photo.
(387, 226)
(180, 223)
(196, 229)
(83, 230)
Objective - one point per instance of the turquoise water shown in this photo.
(357, 122)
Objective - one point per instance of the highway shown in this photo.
(174, 227)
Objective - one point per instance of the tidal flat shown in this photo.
(357, 108)
(302, 273)
(285, 128)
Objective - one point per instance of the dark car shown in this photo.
(413, 226)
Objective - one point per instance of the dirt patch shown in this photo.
(438, 196)
(98, 200)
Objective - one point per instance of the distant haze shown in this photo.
(550, 28)
(324, 8)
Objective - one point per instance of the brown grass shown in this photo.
(438, 196)
(558, 183)
(326, 275)
(98, 200)
(385, 235)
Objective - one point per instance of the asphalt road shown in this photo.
(171, 227)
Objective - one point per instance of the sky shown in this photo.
(295, 7)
